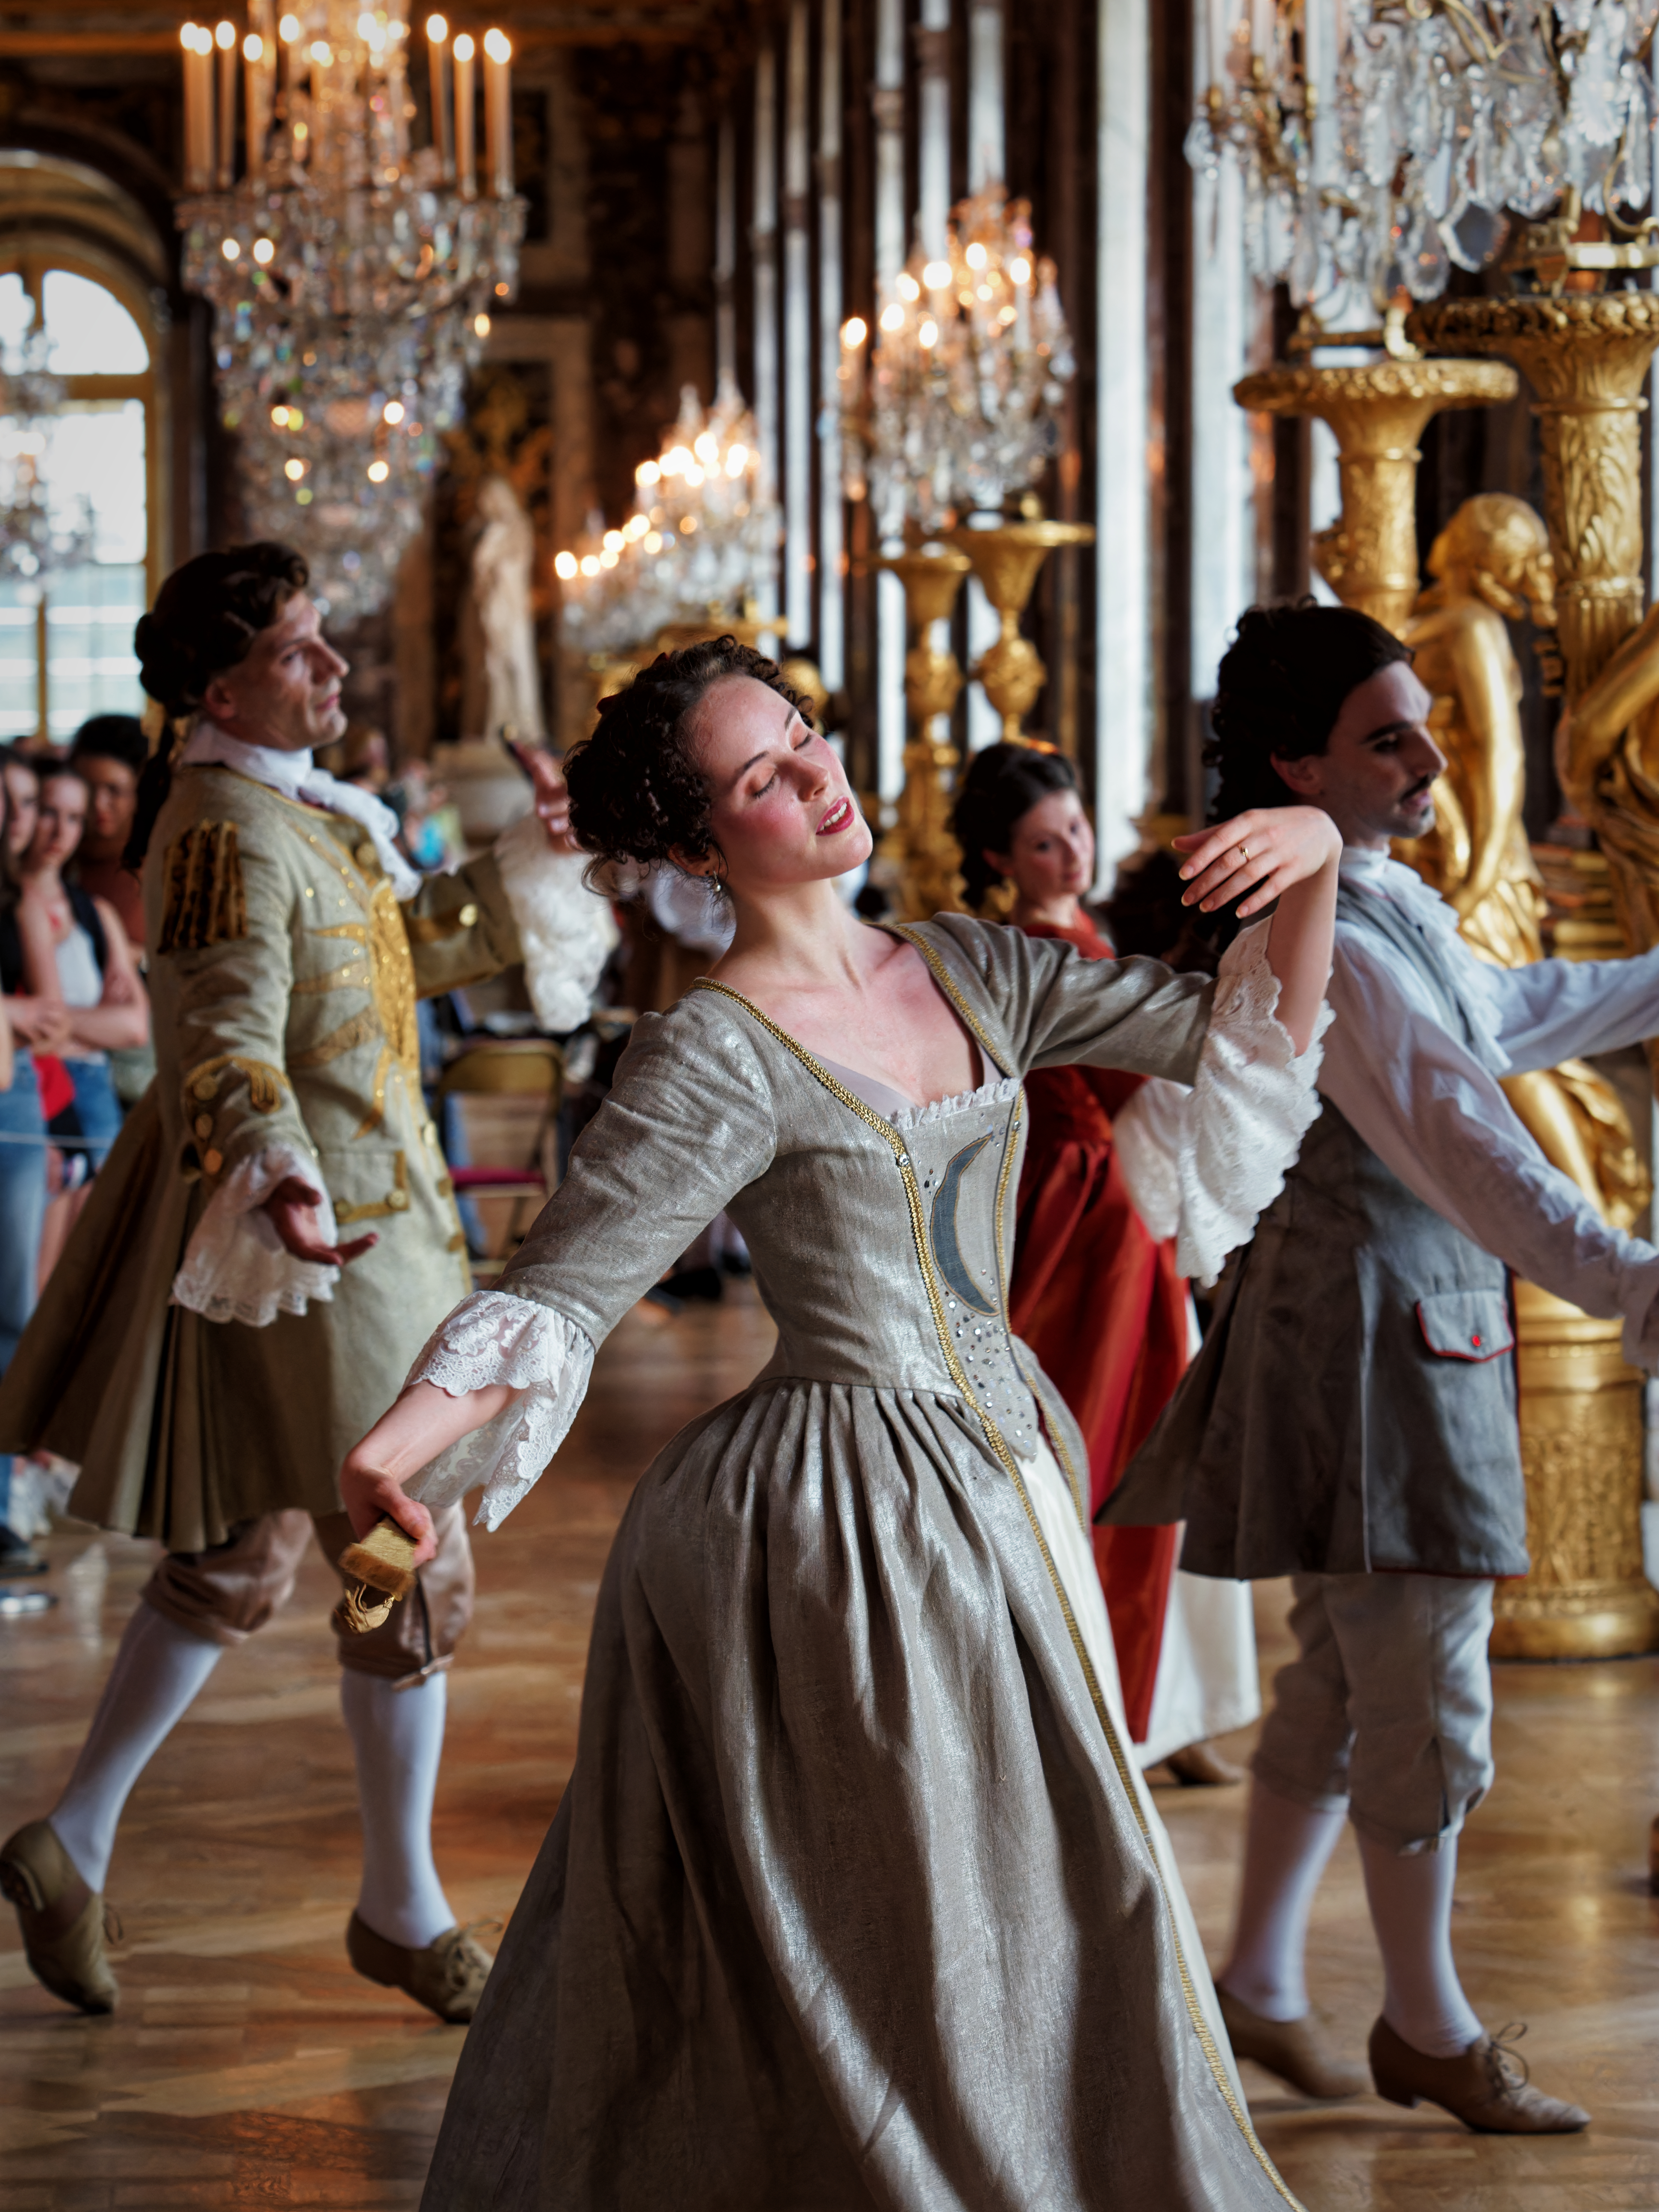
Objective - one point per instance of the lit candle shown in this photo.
(465, 161)
(498, 112)
(199, 107)
(254, 103)
(437, 33)
(288, 34)
(224, 39)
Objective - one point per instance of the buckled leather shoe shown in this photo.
(1297, 2050)
(1486, 2085)
(448, 1978)
(65, 1924)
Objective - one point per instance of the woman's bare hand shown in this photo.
(292, 1207)
(368, 1491)
(422, 1421)
(1257, 856)
(41, 1022)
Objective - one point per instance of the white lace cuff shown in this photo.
(493, 1336)
(1202, 1164)
(566, 932)
(236, 1266)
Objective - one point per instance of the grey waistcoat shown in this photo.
(1353, 1407)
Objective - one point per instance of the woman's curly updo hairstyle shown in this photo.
(1280, 689)
(206, 619)
(1002, 785)
(637, 791)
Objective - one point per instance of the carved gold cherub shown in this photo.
(1492, 562)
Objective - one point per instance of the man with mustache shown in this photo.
(271, 1239)
(1351, 1420)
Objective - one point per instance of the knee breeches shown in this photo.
(1387, 1708)
(227, 1593)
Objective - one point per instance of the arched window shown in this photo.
(66, 651)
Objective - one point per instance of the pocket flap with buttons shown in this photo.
(1466, 1324)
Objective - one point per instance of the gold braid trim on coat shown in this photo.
(204, 902)
(265, 1083)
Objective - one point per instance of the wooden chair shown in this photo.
(509, 1067)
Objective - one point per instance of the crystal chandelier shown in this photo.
(39, 534)
(700, 539)
(353, 278)
(958, 410)
(1382, 143)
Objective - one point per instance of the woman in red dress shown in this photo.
(1094, 1294)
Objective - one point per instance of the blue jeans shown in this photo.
(97, 1108)
(22, 1212)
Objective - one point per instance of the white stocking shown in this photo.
(397, 1736)
(1411, 1902)
(158, 1670)
(1285, 1852)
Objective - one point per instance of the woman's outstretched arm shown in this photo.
(422, 1421)
(1289, 854)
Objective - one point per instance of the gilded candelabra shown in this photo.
(1006, 560)
(920, 843)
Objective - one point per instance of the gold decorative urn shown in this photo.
(1377, 411)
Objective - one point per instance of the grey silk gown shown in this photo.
(853, 1897)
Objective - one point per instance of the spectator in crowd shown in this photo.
(25, 1020)
(94, 975)
(108, 755)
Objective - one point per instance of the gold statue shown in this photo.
(1492, 561)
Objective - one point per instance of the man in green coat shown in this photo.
(272, 1239)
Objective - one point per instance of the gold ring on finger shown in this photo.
(1244, 852)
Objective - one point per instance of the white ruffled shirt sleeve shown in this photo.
(236, 1266)
(1201, 1164)
(491, 1338)
(566, 932)
(1434, 1114)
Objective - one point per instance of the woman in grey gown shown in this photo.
(854, 1898)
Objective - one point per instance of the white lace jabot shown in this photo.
(297, 776)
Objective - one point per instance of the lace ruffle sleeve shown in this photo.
(1203, 1163)
(566, 932)
(236, 1266)
(489, 1338)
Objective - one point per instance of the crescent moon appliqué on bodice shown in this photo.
(947, 1252)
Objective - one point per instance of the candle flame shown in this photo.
(854, 332)
(225, 36)
(436, 29)
(253, 47)
(498, 45)
(465, 48)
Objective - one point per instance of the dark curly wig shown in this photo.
(1280, 689)
(1002, 785)
(636, 790)
(206, 619)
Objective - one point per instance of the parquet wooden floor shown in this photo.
(248, 2067)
